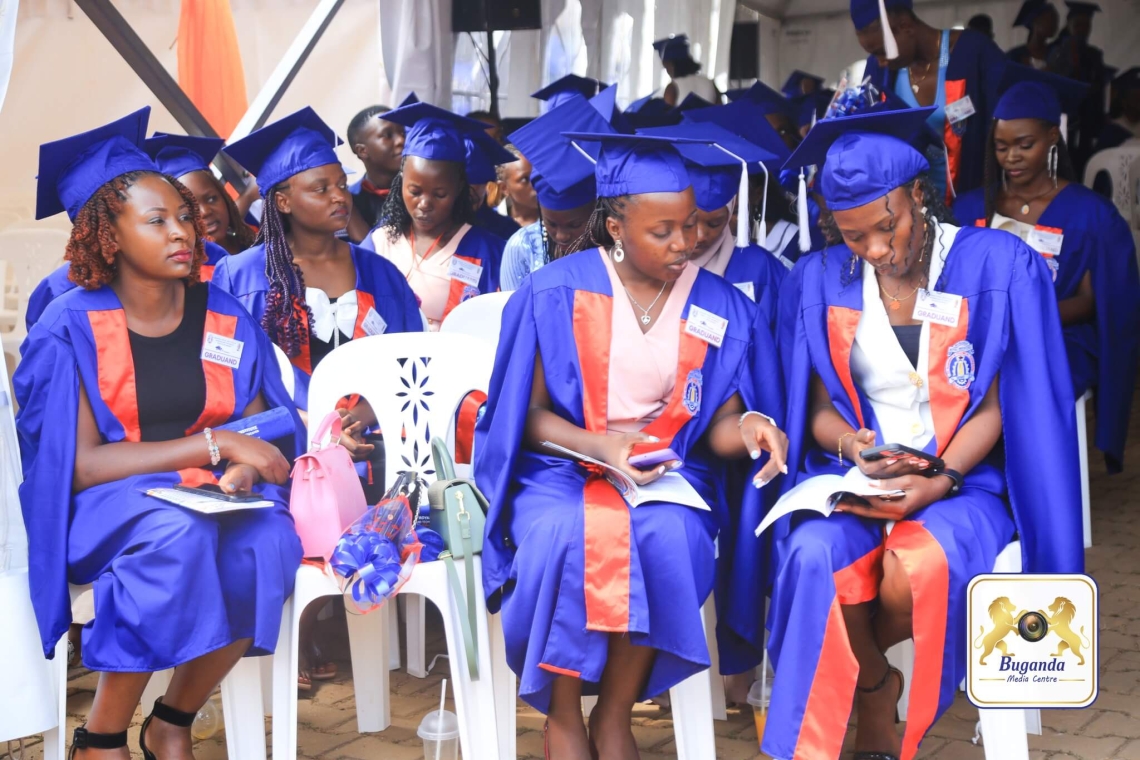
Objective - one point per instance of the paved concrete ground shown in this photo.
(1109, 730)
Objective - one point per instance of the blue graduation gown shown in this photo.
(1102, 354)
(1008, 330)
(755, 272)
(56, 283)
(379, 286)
(170, 584)
(568, 572)
(975, 68)
(495, 223)
(478, 246)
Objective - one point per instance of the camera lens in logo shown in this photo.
(1032, 626)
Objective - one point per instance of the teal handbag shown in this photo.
(458, 515)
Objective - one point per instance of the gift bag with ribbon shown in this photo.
(327, 496)
(378, 552)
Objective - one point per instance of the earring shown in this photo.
(617, 253)
(1004, 180)
(851, 270)
(1053, 154)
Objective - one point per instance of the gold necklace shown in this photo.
(910, 69)
(896, 302)
(1025, 202)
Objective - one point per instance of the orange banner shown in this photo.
(209, 63)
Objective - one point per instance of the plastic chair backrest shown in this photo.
(481, 316)
(32, 255)
(286, 367)
(1116, 162)
(13, 538)
(414, 382)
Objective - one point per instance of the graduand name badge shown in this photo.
(960, 110)
(373, 323)
(465, 271)
(936, 307)
(705, 325)
(222, 350)
(1047, 241)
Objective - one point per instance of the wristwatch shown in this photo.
(955, 476)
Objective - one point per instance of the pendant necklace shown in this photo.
(915, 85)
(645, 318)
(1025, 203)
(896, 302)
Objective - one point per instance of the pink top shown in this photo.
(429, 278)
(643, 366)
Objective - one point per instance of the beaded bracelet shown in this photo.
(758, 414)
(215, 452)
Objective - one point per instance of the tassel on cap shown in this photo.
(742, 238)
(802, 213)
(762, 236)
(889, 45)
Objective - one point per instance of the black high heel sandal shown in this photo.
(84, 739)
(167, 715)
(883, 682)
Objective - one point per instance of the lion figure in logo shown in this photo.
(1003, 613)
(1060, 622)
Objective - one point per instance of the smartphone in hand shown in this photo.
(651, 459)
(891, 450)
(212, 491)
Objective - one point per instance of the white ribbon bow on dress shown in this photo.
(332, 318)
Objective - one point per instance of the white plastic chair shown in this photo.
(414, 382)
(1083, 445)
(1117, 162)
(691, 701)
(1004, 732)
(31, 254)
(481, 316)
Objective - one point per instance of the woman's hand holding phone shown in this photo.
(883, 469)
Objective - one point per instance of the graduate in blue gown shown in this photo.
(901, 48)
(308, 289)
(982, 387)
(1080, 235)
(484, 156)
(118, 395)
(187, 159)
(1040, 17)
(597, 597)
(428, 230)
(564, 184)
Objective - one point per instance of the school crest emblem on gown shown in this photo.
(960, 364)
(692, 397)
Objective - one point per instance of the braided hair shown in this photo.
(287, 317)
(992, 179)
(936, 211)
(91, 249)
(596, 233)
(397, 221)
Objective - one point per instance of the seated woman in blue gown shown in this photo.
(613, 350)
(865, 366)
(118, 394)
(1034, 194)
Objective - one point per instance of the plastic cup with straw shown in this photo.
(439, 730)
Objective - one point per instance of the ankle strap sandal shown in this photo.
(166, 714)
(84, 739)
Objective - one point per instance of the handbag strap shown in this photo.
(331, 426)
(467, 623)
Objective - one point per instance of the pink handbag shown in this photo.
(327, 496)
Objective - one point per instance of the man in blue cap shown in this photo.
(955, 71)
(1125, 111)
(683, 71)
(1072, 56)
(1040, 17)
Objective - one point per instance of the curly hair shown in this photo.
(936, 211)
(992, 179)
(287, 317)
(91, 249)
(397, 220)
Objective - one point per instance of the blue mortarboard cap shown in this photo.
(1031, 94)
(746, 119)
(808, 108)
(605, 103)
(793, 88)
(72, 169)
(556, 92)
(1030, 11)
(736, 93)
(865, 12)
(768, 99)
(274, 153)
(675, 47)
(410, 100)
(655, 113)
(563, 178)
(1081, 9)
(640, 103)
(635, 164)
(177, 155)
(434, 133)
(864, 156)
(483, 155)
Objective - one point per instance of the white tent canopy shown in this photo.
(67, 77)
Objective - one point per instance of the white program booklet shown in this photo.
(670, 487)
(205, 504)
(821, 493)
